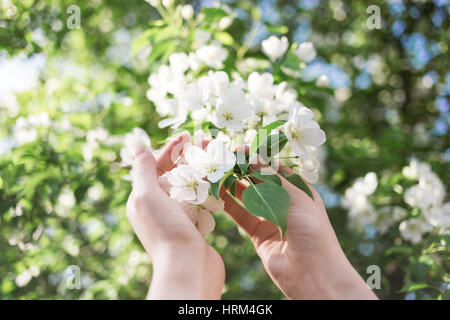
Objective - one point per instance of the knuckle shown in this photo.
(141, 204)
(143, 158)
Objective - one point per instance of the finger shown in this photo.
(286, 170)
(171, 152)
(243, 149)
(317, 197)
(144, 173)
(205, 143)
(242, 217)
(153, 215)
(293, 191)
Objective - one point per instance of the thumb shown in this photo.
(145, 177)
(274, 168)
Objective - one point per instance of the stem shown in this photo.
(293, 157)
(161, 11)
(241, 52)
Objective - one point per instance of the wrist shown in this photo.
(334, 278)
(177, 271)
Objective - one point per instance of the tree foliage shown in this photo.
(62, 192)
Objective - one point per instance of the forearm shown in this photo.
(333, 279)
(177, 274)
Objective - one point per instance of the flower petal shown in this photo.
(205, 223)
(215, 176)
(313, 137)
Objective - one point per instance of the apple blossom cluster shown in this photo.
(427, 195)
(275, 47)
(25, 130)
(235, 106)
(356, 200)
(189, 91)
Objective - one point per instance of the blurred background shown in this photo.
(70, 89)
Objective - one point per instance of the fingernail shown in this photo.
(138, 151)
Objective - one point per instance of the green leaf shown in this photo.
(413, 286)
(141, 41)
(213, 14)
(256, 64)
(270, 201)
(214, 188)
(233, 188)
(407, 250)
(242, 162)
(162, 49)
(224, 37)
(256, 13)
(6, 204)
(297, 181)
(292, 62)
(229, 181)
(277, 29)
(272, 146)
(259, 139)
(267, 177)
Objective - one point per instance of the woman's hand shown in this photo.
(309, 262)
(184, 265)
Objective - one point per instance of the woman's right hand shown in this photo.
(308, 263)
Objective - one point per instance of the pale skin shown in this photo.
(308, 263)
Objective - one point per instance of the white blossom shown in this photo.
(166, 107)
(305, 51)
(213, 163)
(260, 84)
(24, 278)
(179, 61)
(187, 11)
(323, 81)
(308, 168)
(232, 108)
(438, 216)
(153, 3)
(202, 37)
(387, 216)
(39, 120)
(302, 131)
(193, 61)
(225, 22)
(212, 55)
(176, 121)
(23, 131)
(413, 229)
(137, 137)
(285, 98)
(201, 215)
(416, 169)
(360, 210)
(187, 184)
(220, 83)
(429, 192)
(165, 80)
(167, 3)
(195, 95)
(274, 47)
(250, 135)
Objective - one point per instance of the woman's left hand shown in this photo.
(184, 265)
